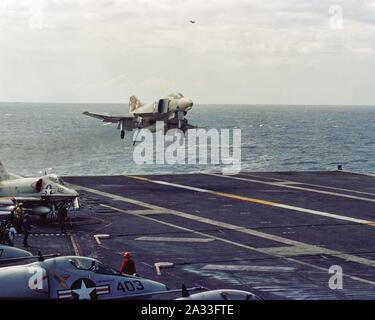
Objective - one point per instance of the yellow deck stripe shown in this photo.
(258, 201)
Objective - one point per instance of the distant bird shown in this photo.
(192, 21)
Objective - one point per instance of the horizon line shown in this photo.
(211, 103)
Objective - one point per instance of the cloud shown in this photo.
(105, 50)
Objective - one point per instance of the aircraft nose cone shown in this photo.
(72, 192)
(158, 287)
(186, 104)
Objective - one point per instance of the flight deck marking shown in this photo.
(147, 212)
(303, 247)
(288, 242)
(287, 184)
(261, 250)
(169, 239)
(75, 245)
(259, 201)
(225, 267)
(307, 184)
(44, 235)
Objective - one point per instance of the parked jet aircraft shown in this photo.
(82, 278)
(171, 110)
(39, 195)
(221, 294)
(12, 255)
(9, 254)
(73, 277)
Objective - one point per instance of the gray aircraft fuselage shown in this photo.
(39, 195)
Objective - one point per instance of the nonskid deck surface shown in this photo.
(275, 234)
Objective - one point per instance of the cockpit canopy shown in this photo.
(56, 179)
(176, 95)
(82, 263)
(87, 264)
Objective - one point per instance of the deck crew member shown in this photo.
(128, 265)
(11, 217)
(3, 227)
(63, 213)
(11, 234)
(19, 217)
(26, 225)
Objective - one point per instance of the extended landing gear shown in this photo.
(181, 119)
(121, 127)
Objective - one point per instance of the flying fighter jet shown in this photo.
(171, 110)
(72, 277)
(39, 195)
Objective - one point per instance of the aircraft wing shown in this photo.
(7, 203)
(108, 118)
(156, 293)
(190, 126)
(155, 116)
(23, 199)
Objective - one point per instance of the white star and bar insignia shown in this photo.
(83, 289)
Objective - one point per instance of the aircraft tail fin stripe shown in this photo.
(134, 104)
(4, 175)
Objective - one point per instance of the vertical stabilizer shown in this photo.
(134, 104)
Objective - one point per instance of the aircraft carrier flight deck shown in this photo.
(275, 234)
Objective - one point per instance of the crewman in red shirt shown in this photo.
(128, 265)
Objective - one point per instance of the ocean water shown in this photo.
(34, 137)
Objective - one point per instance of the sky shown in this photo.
(237, 52)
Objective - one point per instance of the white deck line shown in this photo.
(287, 184)
(261, 250)
(300, 245)
(310, 184)
(170, 239)
(231, 267)
(263, 202)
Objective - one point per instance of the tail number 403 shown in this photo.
(130, 286)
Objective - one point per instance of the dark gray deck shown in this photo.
(275, 234)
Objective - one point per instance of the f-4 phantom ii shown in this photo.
(39, 195)
(171, 110)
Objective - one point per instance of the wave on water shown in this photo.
(274, 138)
